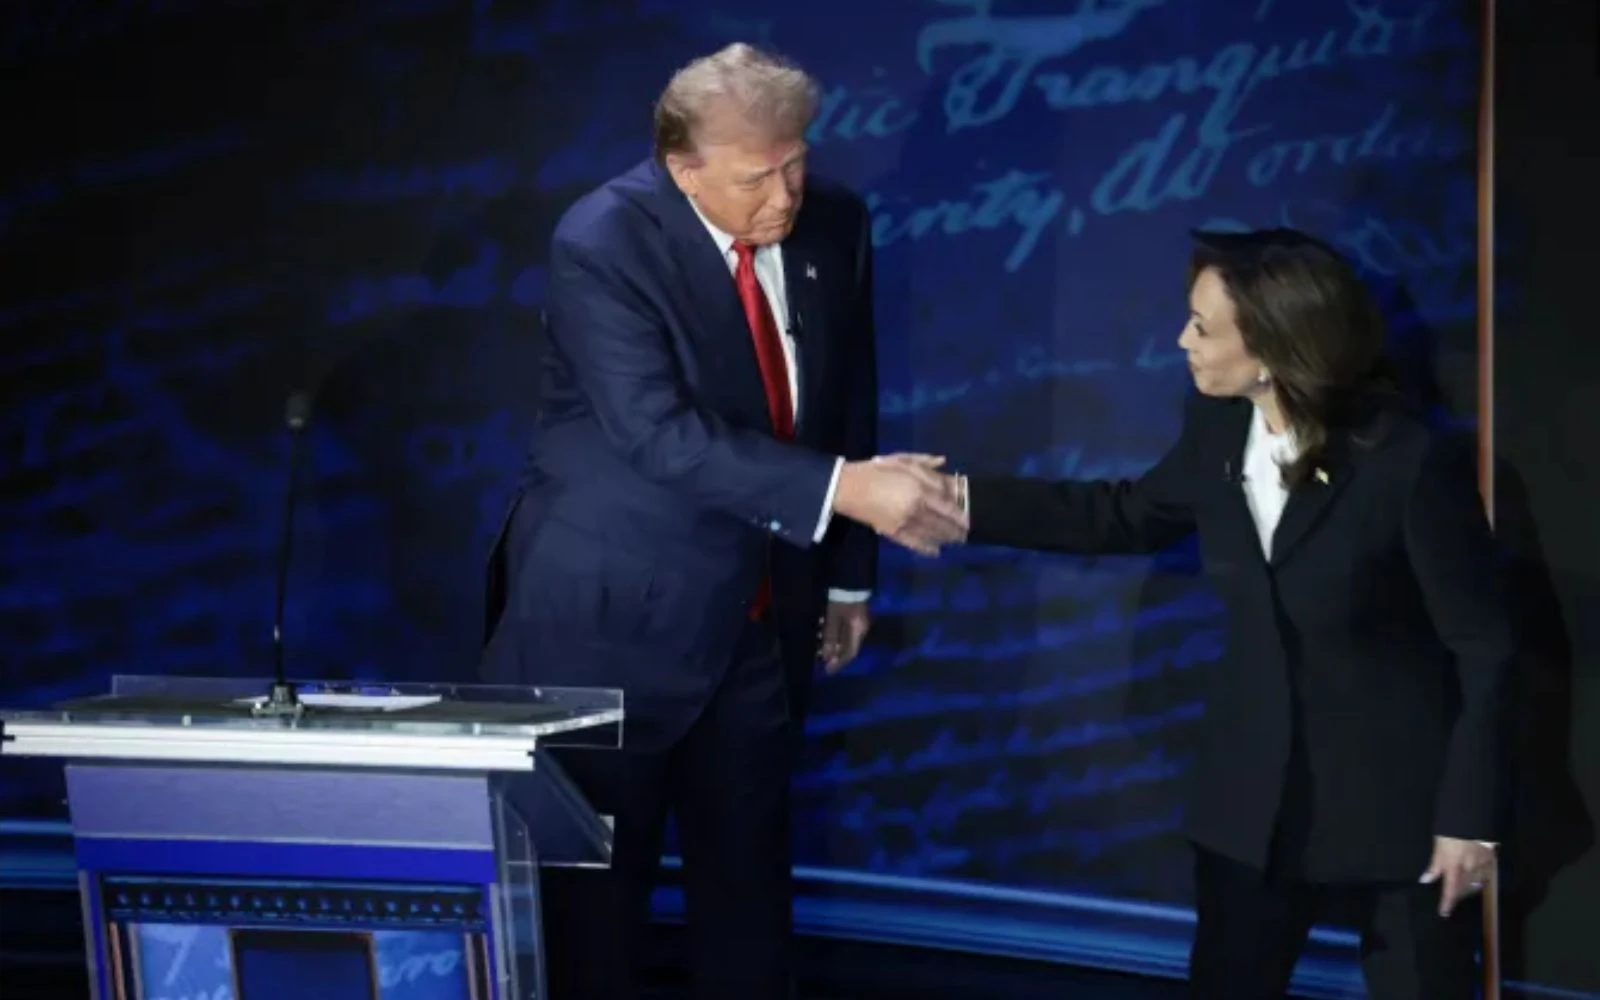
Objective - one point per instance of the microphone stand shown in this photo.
(282, 700)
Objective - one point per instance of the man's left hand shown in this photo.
(844, 628)
(1463, 866)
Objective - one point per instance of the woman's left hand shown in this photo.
(1463, 865)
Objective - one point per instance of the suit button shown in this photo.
(775, 526)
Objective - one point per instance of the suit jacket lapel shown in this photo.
(802, 279)
(708, 283)
(1236, 434)
(1310, 500)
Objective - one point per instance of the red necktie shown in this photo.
(768, 343)
(774, 370)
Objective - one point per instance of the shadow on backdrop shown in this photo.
(1550, 827)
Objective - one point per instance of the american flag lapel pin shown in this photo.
(811, 272)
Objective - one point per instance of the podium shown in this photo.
(384, 843)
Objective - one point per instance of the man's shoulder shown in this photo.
(832, 203)
(619, 209)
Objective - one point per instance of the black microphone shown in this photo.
(282, 699)
(1229, 476)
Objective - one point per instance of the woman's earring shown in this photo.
(1262, 378)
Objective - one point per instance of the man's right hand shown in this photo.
(910, 504)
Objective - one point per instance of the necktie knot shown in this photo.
(746, 252)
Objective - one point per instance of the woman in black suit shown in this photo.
(1354, 740)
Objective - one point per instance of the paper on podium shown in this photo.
(370, 702)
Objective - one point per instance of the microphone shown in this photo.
(1229, 476)
(281, 698)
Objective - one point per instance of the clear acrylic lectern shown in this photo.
(366, 843)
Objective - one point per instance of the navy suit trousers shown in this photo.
(725, 784)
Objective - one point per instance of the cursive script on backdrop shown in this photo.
(1030, 169)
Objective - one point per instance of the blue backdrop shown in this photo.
(217, 202)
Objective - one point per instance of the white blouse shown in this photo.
(1265, 455)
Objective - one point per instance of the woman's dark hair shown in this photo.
(1304, 312)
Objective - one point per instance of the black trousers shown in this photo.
(1253, 927)
(726, 785)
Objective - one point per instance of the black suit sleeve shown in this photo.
(1091, 518)
(1455, 560)
(853, 562)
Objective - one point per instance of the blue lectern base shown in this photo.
(268, 939)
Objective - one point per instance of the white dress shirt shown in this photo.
(768, 264)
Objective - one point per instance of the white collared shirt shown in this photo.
(768, 264)
(1265, 455)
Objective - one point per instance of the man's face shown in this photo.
(746, 183)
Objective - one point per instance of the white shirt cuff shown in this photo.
(836, 596)
(826, 518)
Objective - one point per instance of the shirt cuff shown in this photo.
(826, 518)
(849, 596)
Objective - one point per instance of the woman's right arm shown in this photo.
(1089, 517)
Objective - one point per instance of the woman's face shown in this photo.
(1218, 359)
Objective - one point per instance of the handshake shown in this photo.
(906, 499)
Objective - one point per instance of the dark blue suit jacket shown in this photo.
(655, 490)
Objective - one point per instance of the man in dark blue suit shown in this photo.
(699, 511)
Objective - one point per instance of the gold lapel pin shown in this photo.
(1321, 476)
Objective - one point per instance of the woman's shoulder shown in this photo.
(1392, 422)
(1402, 429)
